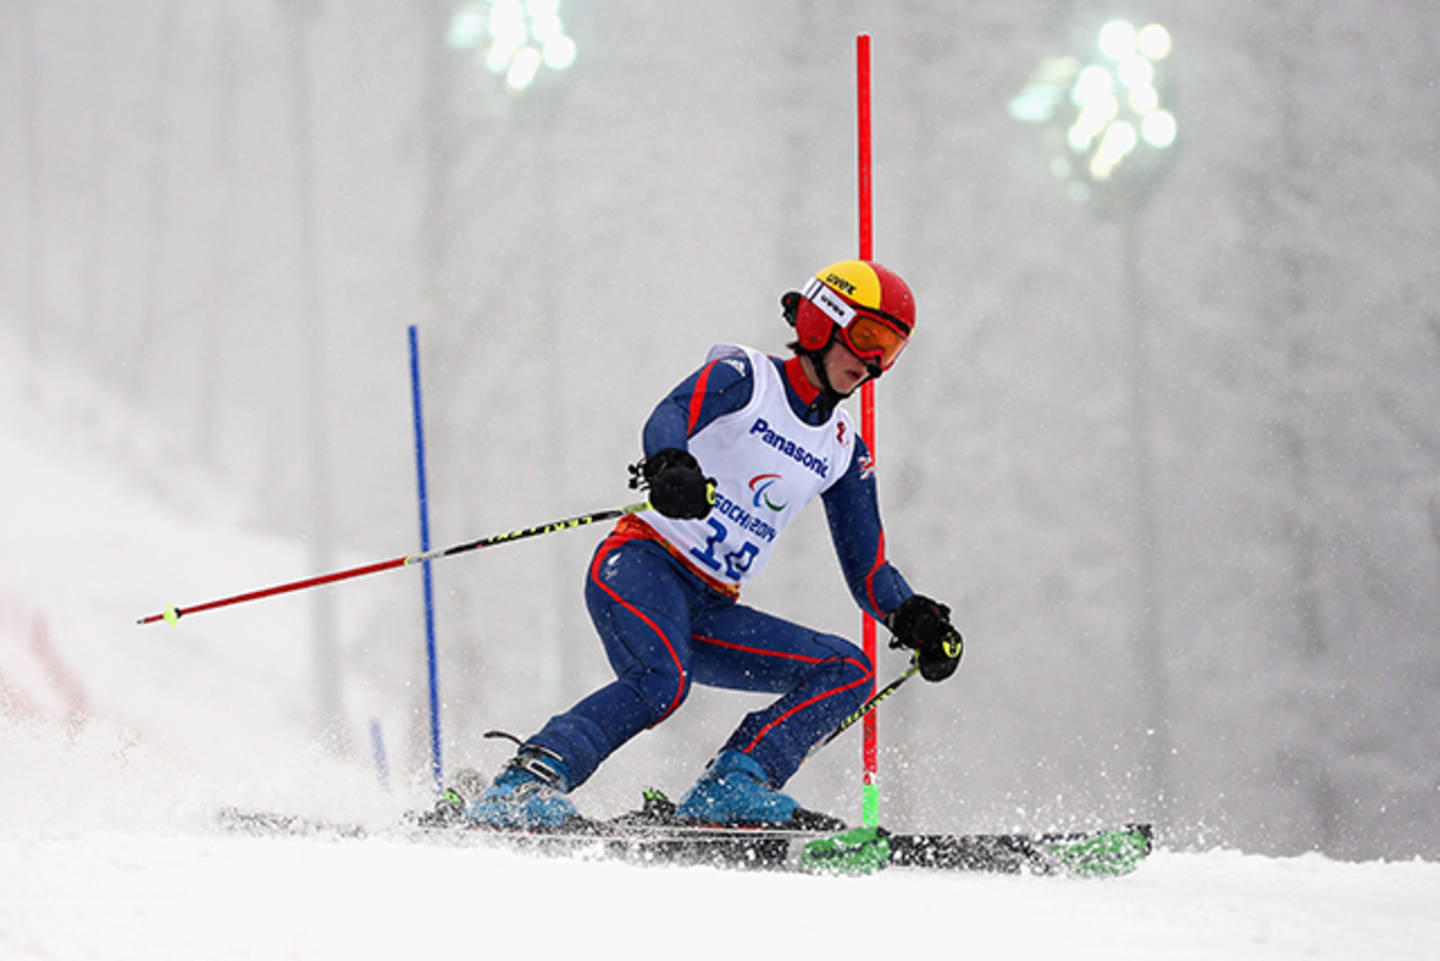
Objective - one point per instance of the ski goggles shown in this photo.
(869, 335)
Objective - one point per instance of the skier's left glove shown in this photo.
(923, 625)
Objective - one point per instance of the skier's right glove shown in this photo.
(677, 486)
(923, 625)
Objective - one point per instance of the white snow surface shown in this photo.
(190, 894)
(118, 745)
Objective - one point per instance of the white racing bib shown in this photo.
(768, 464)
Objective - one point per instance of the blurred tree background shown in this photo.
(1176, 468)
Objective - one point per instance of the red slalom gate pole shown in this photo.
(870, 792)
(862, 115)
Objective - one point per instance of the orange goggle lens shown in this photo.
(871, 338)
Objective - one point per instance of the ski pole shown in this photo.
(171, 614)
(870, 705)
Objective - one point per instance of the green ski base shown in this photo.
(1098, 854)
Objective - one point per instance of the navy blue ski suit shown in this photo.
(666, 626)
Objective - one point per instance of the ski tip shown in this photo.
(1104, 854)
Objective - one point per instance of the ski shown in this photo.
(633, 839)
(1088, 854)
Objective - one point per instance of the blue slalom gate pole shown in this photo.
(377, 751)
(436, 767)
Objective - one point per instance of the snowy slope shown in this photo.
(88, 548)
(118, 743)
(185, 894)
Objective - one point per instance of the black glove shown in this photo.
(923, 625)
(677, 487)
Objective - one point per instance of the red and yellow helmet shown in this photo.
(861, 302)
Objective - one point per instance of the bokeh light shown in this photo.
(514, 39)
(1109, 109)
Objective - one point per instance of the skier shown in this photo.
(731, 457)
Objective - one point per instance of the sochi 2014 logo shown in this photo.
(760, 485)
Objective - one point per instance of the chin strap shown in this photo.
(829, 396)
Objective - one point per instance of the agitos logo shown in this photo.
(760, 484)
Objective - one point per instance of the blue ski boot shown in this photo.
(528, 795)
(735, 790)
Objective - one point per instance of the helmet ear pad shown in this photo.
(813, 328)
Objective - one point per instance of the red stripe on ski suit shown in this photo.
(697, 397)
(875, 569)
(866, 679)
(613, 541)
